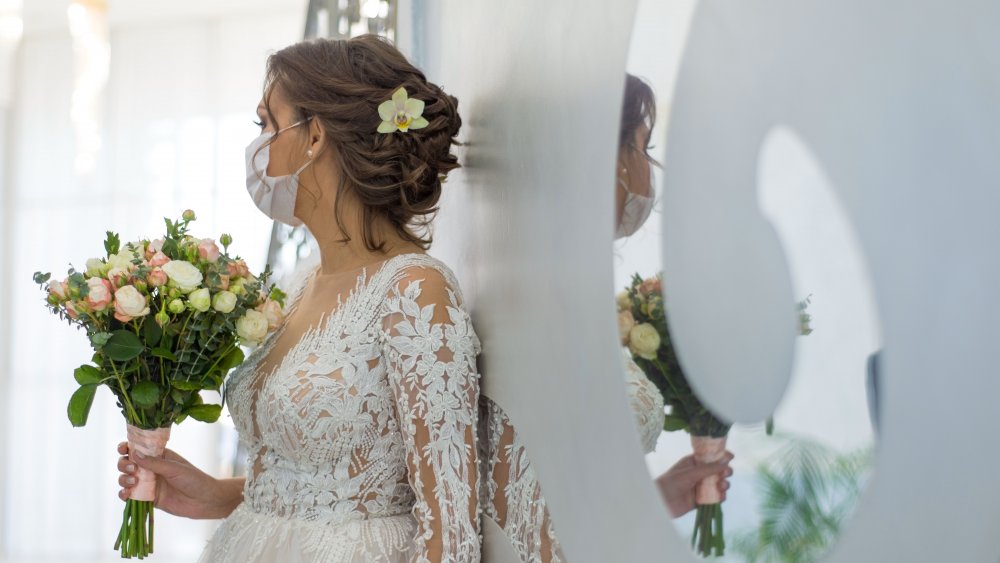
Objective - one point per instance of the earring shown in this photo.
(309, 153)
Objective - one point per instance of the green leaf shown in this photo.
(204, 413)
(145, 393)
(232, 359)
(673, 423)
(163, 353)
(151, 331)
(123, 346)
(88, 375)
(41, 278)
(186, 385)
(112, 244)
(80, 403)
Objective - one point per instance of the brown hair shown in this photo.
(396, 176)
(638, 107)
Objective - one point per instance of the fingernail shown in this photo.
(130, 467)
(138, 455)
(130, 480)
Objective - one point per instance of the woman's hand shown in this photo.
(181, 488)
(677, 485)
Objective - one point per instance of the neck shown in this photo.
(338, 256)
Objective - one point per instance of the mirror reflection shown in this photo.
(787, 485)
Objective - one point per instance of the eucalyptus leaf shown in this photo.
(204, 413)
(145, 393)
(80, 403)
(88, 375)
(123, 346)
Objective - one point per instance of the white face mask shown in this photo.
(274, 196)
(635, 211)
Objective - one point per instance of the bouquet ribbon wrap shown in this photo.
(708, 450)
(149, 443)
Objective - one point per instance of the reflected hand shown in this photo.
(181, 488)
(677, 485)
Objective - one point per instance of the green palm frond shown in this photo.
(807, 490)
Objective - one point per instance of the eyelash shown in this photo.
(259, 124)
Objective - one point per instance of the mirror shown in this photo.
(797, 474)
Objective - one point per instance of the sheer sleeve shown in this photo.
(431, 348)
(511, 494)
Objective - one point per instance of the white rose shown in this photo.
(95, 268)
(224, 301)
(200, 300)
(644, 341)
(184, 275)
(252, 327)
(130, 302)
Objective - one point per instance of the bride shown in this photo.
(359, 411)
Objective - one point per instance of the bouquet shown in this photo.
(642, 323)
(166, 319)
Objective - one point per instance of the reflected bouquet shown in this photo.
(642, 323)
(165, 318)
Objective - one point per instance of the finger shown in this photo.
(126, 481)
(124, 493)
(160, 466)
(123, 448)
(125, 466)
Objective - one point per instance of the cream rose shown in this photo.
(183, 274)
(99, 293)
(252, 327)
(624, 301)
(224, 301)
(644, 341)
(130, 303)
(272, 310)
(625, 323)
(200, 299)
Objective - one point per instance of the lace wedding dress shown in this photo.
(360, 416)
(511, 494)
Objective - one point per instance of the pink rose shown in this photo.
(223, 282)
(208, 250)
(59, 289)
(158, 259)
(154, 247)
(272, 312)
(71, 310)
(99, 294)
(650, 285)
(157, 277)
(238, 268)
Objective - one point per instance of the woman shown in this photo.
(359, 411)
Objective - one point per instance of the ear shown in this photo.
(317, 137)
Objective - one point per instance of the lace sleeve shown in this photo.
(430, 348)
